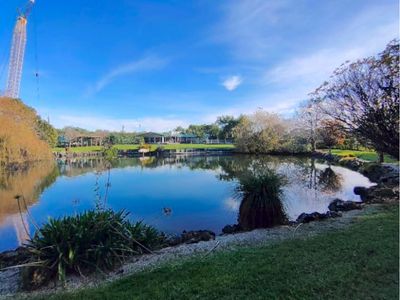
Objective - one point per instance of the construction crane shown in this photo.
(17, 52)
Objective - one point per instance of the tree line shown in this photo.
(357, 106)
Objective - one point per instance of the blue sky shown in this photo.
(154, 65)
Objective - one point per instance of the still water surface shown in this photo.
(172, 194)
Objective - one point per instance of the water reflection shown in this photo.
(29, 184)
(329, 181)
(177, 193)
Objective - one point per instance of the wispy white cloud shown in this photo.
(147, 63)
(232, 82)
(315, 67)
(279, 85)
(245, 26)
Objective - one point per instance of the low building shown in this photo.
(153, 138)
(79, 141)
(169, 138)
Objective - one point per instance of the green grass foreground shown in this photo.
(365, 155)
(358, 262)
(153, 147)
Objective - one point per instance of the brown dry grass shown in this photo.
(19, 141)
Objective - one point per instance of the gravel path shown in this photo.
(179, 254)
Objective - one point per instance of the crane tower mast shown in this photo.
(17, 52)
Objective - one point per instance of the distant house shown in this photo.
(187, 138)
(79, 141)
(153, 138)
(62, 141)
(169, 138)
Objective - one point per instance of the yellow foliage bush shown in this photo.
(19, 140)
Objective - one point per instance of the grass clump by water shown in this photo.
(95, 240)
(359, 262)
(261, 204)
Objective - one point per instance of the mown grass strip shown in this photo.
(365, 155)
(360, 262)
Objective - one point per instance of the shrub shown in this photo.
(93, 240)
(110, 153)
(145, 146)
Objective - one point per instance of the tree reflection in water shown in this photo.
(329, 181)
(28, 183)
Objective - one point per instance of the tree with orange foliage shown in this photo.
(331, 133)
(19, 136)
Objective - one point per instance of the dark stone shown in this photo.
(120, 271)
(375, 171)
(173, 240)
(390, 179)
(340, 205)
(14, 257)
(229, 229)
(306, 218)
(379, 194)
(316, 216)
(191, 237)
(360, 190)
(333, 214)
(351, 163)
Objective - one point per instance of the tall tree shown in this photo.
(364, 97)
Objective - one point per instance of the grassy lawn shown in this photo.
(365, 155)
(153, 147)
(359, 262)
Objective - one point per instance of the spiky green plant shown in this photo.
(261, 204)
(93, 240)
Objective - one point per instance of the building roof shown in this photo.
(151, 134)
(187, 135)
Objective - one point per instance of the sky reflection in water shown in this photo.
(173, 194)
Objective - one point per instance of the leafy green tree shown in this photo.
(227, 124)
(212, 130)
(46, 132)
(180, 129)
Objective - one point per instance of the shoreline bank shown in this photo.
(181, 253)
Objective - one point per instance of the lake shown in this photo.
(173, 194)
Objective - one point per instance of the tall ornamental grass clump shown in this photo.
(91, 241)
(261, 204)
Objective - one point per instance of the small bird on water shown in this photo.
(167, 211)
